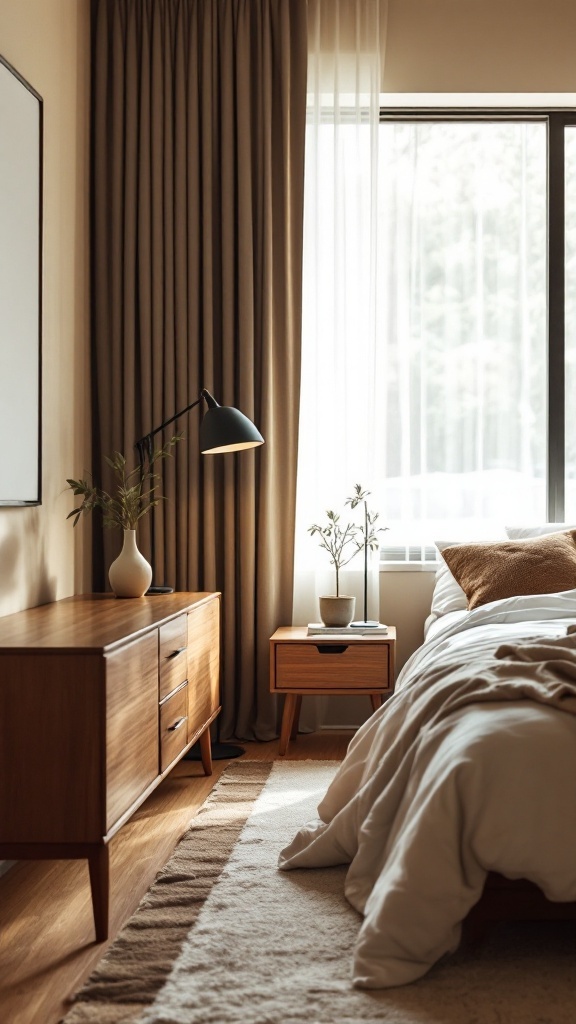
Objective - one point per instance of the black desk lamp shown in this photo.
(223, 429)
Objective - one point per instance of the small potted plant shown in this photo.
(130, 574)
(341, 544)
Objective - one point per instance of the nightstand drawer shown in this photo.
(333, 665)
(173, 663)
(173, 726)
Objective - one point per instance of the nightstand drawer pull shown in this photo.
(331, 648)
(174, 654)
(177, 724)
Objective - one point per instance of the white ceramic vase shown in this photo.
(130, 574)
(337, 611)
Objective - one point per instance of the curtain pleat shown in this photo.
(198, 162)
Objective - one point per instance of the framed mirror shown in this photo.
(20, 289)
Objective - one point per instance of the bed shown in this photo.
(463, 786)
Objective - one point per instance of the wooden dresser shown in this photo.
(99, 699)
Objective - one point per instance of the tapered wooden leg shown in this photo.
(206, 752)
(296, 719)
(376, 701)
(99, 868)
(290, 703)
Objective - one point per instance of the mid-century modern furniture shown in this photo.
(99, 699)
(328, 665)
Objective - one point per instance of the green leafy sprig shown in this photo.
(368, 528)
(337, 541)
(135, 491)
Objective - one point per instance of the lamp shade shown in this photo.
(225, 429)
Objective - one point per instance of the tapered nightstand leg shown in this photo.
(376, 701)
(294, 729)
(290, 703)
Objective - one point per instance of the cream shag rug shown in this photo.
(223, 937)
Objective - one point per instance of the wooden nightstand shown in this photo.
(302, 664)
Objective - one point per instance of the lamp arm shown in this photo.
(144, 445)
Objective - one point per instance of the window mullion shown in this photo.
(556, 320)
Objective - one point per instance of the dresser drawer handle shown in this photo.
(179, 722)
(174, 654)
(331, 648)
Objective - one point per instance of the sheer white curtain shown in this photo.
(339, 379)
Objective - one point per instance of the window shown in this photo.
(460, 310)
(462, 319)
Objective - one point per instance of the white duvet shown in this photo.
(469, 767)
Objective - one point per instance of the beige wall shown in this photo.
(47, 42)
(480, 46)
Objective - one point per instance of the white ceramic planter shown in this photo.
(130, 574)
(337, 611)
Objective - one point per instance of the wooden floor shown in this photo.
(47, 945)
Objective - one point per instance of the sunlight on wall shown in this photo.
(47, 42)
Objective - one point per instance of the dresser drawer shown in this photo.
(317, 666)
(173, 663)
(173, 726)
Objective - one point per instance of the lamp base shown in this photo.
(220, 752)
(158, 590)
(367, 624)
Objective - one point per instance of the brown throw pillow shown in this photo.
(488, 572)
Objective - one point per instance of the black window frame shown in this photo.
(556, 121)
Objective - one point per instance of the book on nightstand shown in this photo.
(317, 629)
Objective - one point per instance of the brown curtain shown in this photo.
(198, 116)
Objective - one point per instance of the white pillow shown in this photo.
(524, 532)
(447, 595)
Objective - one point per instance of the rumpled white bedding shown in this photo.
(469, 767)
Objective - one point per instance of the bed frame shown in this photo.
(505, 899)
